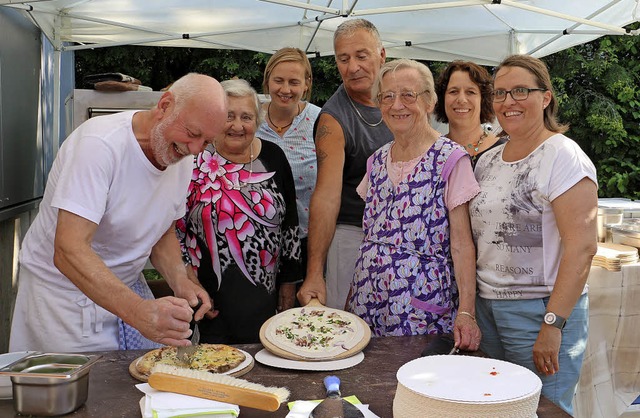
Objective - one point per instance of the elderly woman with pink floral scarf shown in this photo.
(240, 232)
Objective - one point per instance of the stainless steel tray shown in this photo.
(50, 384)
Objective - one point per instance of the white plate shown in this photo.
(5, 381)
(468, 379)
(266, 357)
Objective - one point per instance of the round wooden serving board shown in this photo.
(278, 351)
(244, 368)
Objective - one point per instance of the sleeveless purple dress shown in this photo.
(403, 282)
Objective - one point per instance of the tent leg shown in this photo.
(56, 100)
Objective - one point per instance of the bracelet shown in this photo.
(467, 314)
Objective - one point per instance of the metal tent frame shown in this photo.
(484, 31)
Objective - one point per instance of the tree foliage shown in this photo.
(597, 85)
(159, 67)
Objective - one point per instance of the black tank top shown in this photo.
(361, 140)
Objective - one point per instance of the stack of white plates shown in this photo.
(463, 386)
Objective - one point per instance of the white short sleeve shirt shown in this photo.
(514, 228)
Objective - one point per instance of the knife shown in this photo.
(334, 406)
(442, 344)
(184, 353)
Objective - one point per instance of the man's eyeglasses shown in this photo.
(406, 97)
(518, 94)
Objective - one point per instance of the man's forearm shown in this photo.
(167, 259)
(322, 227)
(89, 273)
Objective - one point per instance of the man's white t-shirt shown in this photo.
(514, 228)
(102, 174)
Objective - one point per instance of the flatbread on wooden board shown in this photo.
(214, 358)
(315, 332)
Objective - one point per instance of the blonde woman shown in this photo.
(289, 124)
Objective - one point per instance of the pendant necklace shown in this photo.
(476, 145)
(373, 125)
(279, 129)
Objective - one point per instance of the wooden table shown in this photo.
(112, 391)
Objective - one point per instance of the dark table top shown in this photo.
(112, 391)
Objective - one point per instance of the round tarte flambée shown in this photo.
(315, 332)
(214, 358)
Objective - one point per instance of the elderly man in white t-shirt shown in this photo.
(117, 186)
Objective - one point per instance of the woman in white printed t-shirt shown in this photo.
(534, 225)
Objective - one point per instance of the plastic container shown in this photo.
(630, 208)
(607, 217)
(627, 233)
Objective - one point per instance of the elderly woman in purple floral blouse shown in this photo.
(415, 273)
(240, 232)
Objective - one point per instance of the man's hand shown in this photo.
(193, 293)
(165, 320)
(312, 287)
(286, 296)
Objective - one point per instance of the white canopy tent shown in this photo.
(484, 31)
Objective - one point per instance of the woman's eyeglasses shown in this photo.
(518, 94)
(406, 97)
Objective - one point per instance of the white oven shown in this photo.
(92, 103)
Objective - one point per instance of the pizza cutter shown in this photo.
(334, 406)
(184, 353)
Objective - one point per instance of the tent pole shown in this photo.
(305, 6)
(614, 29)
(571, 29)
(56, 96)
(513, 40)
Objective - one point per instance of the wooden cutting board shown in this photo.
(315, 303)
(613, 256)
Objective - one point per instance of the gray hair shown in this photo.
(349, 27)
(241, 88)
(398, 64)
(186, 88)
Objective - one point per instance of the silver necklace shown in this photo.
(373, 125)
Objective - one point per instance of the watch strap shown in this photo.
(559, 321)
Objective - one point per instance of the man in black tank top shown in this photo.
(348, 130)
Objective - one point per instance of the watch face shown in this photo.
(550, 318)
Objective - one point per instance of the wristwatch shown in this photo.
(554, 320)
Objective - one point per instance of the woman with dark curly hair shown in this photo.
(465, 103)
